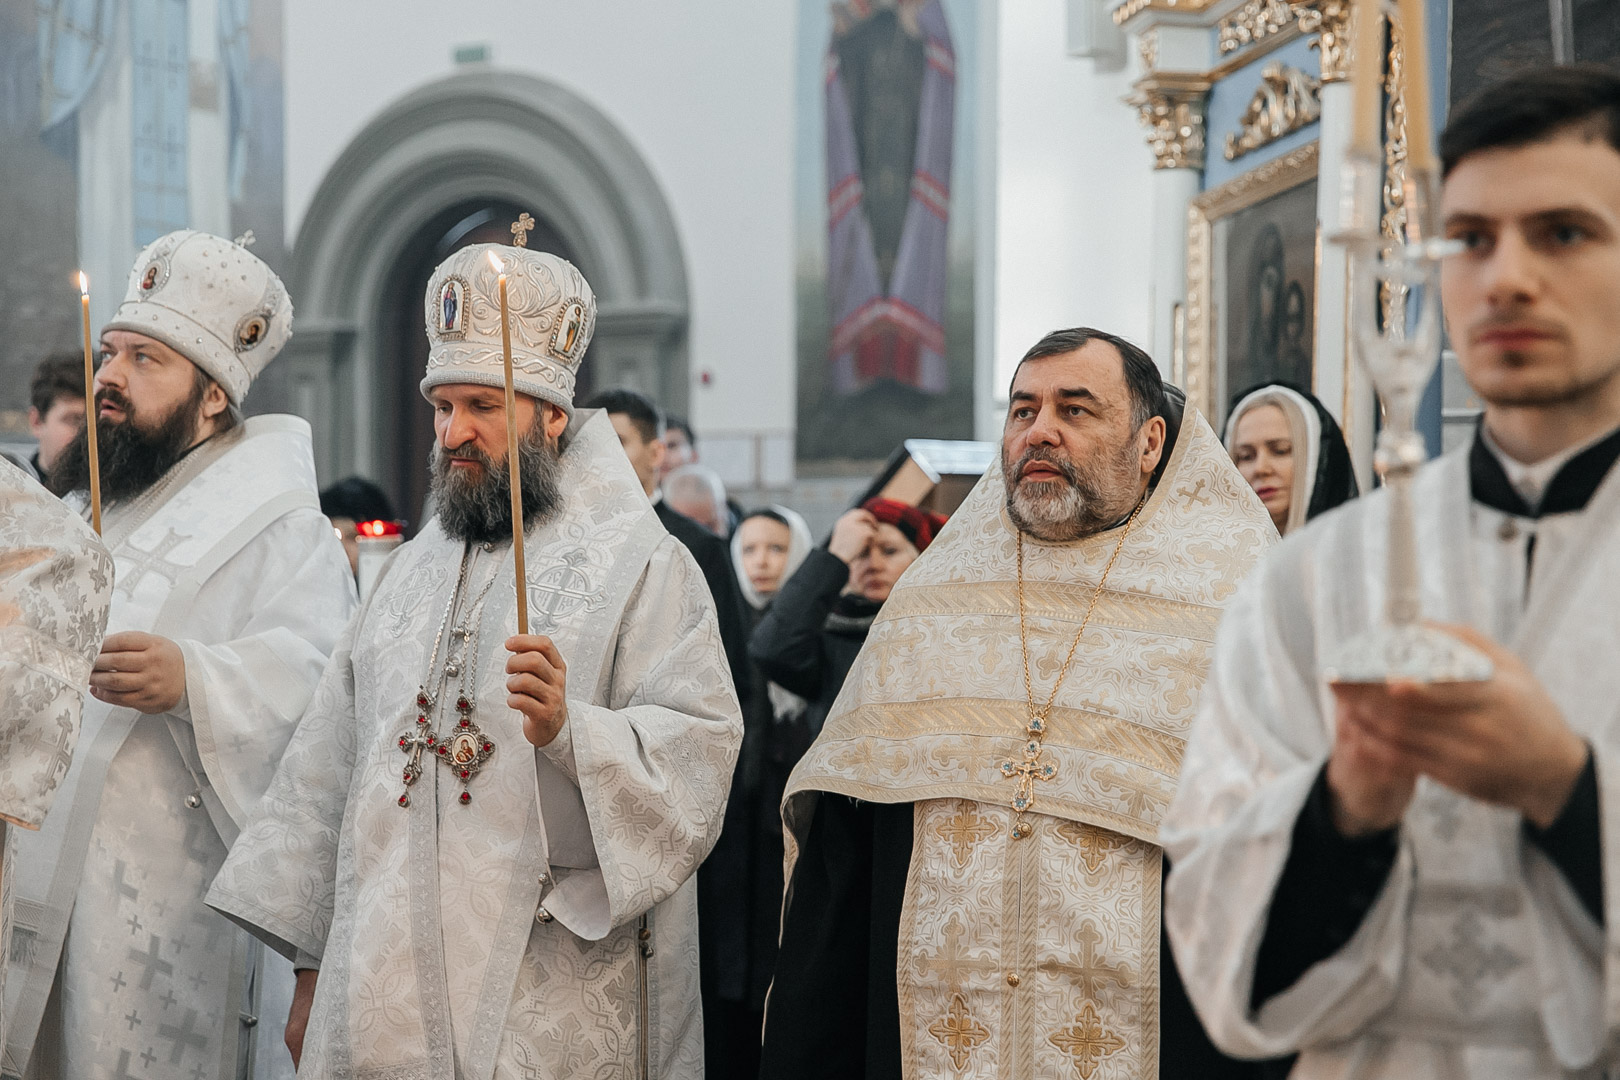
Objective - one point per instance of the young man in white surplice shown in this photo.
(1417, 881)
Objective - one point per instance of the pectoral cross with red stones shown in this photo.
(413, 742)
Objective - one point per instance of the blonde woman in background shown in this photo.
(1290, 450)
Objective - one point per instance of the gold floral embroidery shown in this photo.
(1143, 794)
(952, 960)
(1094, 843)
(1091, 972)
(1086, 1041)
(962, 830)
(1186, 671)
(959, 1031)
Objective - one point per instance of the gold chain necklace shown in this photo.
(1033, 768)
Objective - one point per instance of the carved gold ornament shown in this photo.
(1254, 21)
(1147, 47)
(1330, 19)
(1286, 100)
(1171, 106)
(1392, 225)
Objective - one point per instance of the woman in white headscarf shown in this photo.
(740, 884)
(1290, 450)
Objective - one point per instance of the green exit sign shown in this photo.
(472, 54)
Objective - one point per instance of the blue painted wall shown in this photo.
(1231, 96)
(1430, 418)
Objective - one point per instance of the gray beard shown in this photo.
(1084, 502)
(480, 510)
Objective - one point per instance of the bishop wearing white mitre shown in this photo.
(1408, 882)
(55, 584)
(230, 591)
(481, 847)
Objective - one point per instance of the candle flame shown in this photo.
(495, 261)
(84, 284)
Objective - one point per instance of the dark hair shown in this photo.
(1142, 377)
(232, 417)
(678, 423)
(1532, 105)
(646, 417)
(357, 499)
(58, 376)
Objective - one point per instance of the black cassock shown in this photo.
(834, 1009)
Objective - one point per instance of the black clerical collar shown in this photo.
(1570, 489)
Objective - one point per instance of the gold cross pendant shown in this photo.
(1031, 769)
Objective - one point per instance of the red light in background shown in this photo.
(378, 528)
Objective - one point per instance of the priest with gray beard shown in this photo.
(972, 841)
(480, 847)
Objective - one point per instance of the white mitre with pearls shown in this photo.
(552, 311)
(212, 301)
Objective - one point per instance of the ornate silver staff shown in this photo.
(1399, 347)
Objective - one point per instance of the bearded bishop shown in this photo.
(55, 584)
(972, 853)
(481, 846)
(231, 590)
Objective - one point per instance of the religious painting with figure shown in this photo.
(189, 99)
(1266, 273)
(884, 221)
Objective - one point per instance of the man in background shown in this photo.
(698, 492)
(55, 409)
(680, 446)
(640, 427)
(681, 450)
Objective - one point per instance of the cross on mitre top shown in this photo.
(521, 229)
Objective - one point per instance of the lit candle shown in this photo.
(1419, 136)
(90, 407)
(1367, 80)
(513, 474)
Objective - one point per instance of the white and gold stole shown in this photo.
(1038, 957)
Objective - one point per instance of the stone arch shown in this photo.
(482, 135)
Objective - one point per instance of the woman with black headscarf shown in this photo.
(1290, 450)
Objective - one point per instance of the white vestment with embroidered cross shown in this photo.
(547, 927)
(1035, 957)
(121, 970)
(1477, 960)
(55, 585)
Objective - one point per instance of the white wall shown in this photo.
(702, 89)
(705, 91)
(1073, 207)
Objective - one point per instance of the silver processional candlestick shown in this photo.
(1399, 346)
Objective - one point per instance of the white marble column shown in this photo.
(1341, 384)
(1173, 189)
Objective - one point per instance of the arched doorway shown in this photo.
(453, 163)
